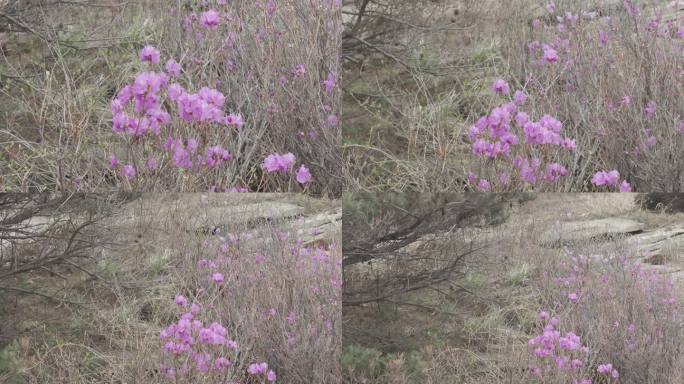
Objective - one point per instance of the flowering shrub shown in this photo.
(609, 179)
(561, 357)
(260, 307)
(516, 151)
(215, 109)
(197, 350)
(630, 320)
(613, 79)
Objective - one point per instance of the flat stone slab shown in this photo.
(205, 212)
(572, 232)
(324, 226)
(255, 212)
(656, 244)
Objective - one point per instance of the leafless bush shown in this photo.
(46, 233)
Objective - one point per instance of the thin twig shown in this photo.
(31, 292)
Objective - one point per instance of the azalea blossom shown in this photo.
(149, 54)
(501, 87)
(278, 163)
(303, 175)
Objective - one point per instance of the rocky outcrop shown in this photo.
(654, 246)
(567, 233)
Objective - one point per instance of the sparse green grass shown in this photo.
(473, 281)
(519, 276)
(7, 356)
(365, 362)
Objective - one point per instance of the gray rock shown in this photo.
(655, 245)
(321, 227)
(249, 214)
(573, 232)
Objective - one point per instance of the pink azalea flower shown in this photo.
(210, 19)
(625, 186)
(472, 178)
(576, 364)
(550, 55)
(303, 175)
(568, 144)
(543, 316)
(298, 70)
(257, 368)
(152, 163)
(555, 171)
(221, 364)
(172, 68)
(149, 54)
(519, 98)
(501, 87)
(113, 161)
(235, 120)
(216, 155)
(605, 368)
(278, 163)
(128, 171)
(330, 82)
(650, 109)
(181, 301)
(605, 178)
(217, 278)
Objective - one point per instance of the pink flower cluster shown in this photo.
(610, 178)
(548, 55)
(546, 131)
(258, 369)
(138, 110)
(145, 95)
(496, 135)
(557, 353)
(203, 106)
(194, 348)
(277, 163)
(272, 324)
(210, 19)
(583, 284)
(591, 47)
(501, 87)
(149, 54)
(607, 369)
(330, 82)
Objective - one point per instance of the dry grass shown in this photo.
(148, 254)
